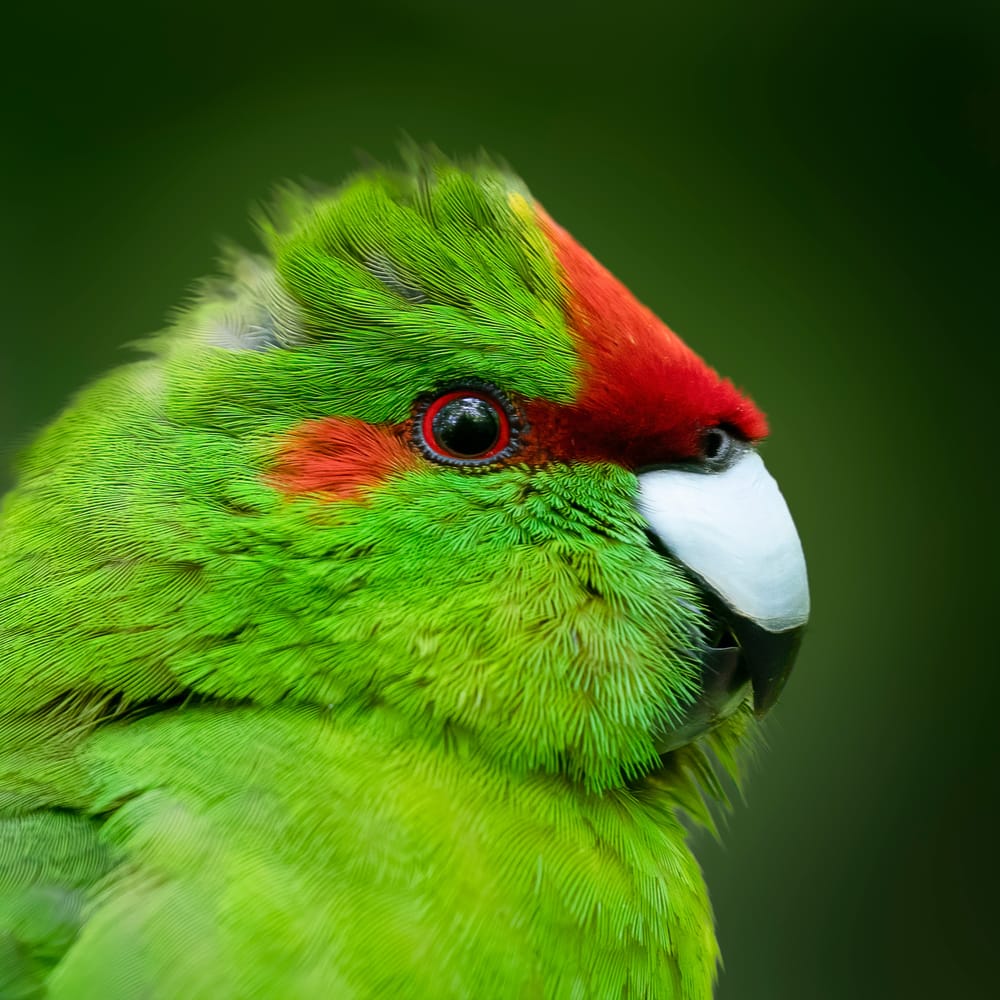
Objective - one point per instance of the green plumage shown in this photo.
(399, 744)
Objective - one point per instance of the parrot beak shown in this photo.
(732, 531)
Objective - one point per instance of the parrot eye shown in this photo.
(472, 424)
(719, 449)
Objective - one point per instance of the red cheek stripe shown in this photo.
(342, 457)
(646, 398)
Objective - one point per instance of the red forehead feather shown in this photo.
(645, 399)
(646, 395)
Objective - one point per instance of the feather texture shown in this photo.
(288, 709)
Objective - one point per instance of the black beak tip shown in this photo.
(769, 657)
(747, 654)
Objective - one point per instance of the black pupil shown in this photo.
(467, 427)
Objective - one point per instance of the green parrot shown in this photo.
(367, 636)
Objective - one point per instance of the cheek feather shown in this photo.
(646, 398)
(646, 395)
(342, 457)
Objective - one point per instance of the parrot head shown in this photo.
(425, 453)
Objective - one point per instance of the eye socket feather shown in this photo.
(473, 424)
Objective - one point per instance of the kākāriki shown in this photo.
(367, 636)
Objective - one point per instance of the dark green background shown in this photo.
(808, 193)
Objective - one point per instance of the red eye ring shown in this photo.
(469, 424)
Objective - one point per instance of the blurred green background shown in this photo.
(806, 192)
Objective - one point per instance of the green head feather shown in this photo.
(234, 683)
(151, 556)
